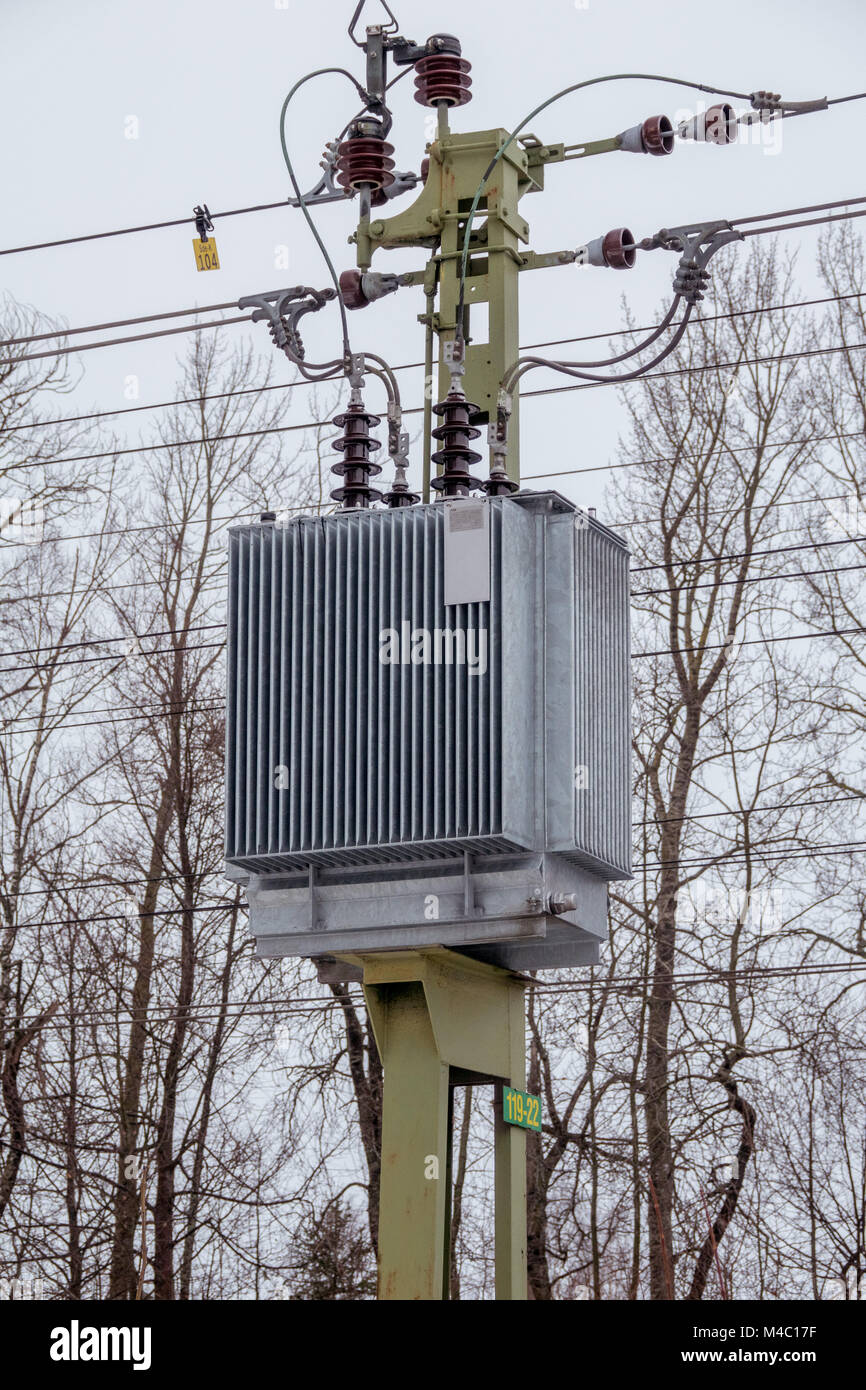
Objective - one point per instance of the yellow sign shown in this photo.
(206, 257)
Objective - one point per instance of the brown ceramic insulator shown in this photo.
(498, 484)
(352, 289)
(365, 160)
(657, 134)
(456, 454)
(443, 77)
(400, 496)
(425, 168)
(720, 125)
(618, 249)
(356, 467)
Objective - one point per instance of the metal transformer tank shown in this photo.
(428, 730)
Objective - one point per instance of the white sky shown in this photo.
(206, 82)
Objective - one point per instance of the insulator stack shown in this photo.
(399, 494)
(443, 75)
(499, 484)
(356, 468)
(456, 455)
(364, 160)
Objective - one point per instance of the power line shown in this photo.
(216, 521)
(121, 637)
(635, 656)
(245, 1008)
(710, 976)
(113, 656)
(126, 884)
(755, 579)
(748, 810)
(144, 227)
(180, 444)
(219, 521)
(118, 323)
(206, 627)
(753, 554)
(694, 458)
(155, 712)
(751, 642)
(739, 855)
(797, 212)
(218, 323)
(752, 579)
(113, 342)
(417, 410)
(810, 222)
(407, 366)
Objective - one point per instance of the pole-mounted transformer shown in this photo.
(428, 729)
(428, 741)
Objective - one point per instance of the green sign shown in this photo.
(520, 1108)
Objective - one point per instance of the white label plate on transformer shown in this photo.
(467, 551)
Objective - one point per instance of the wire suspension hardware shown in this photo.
(203, 221)
(462, 210)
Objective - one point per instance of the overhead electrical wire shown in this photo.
(694, 458)
(220, 524)
(235, 1009)
(635, 656)
(118, 323)
(418, 410)
(770, 578)
(695, 321)
(144, 227)
(724, 583)
(336, 369)
(206, 627)
(743, 812)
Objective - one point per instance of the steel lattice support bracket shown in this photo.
(436, 220)
(442, 1021)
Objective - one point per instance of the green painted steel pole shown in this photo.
(441, 1019)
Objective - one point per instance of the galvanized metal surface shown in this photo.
(375, 755)
(337, 763)
(487, 910)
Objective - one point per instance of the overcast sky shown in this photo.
(205, 81)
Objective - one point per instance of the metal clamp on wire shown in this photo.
(767, 105)
(203, 221)
(498, 483)
(282, 310)
(697, 243)
(326, 190)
